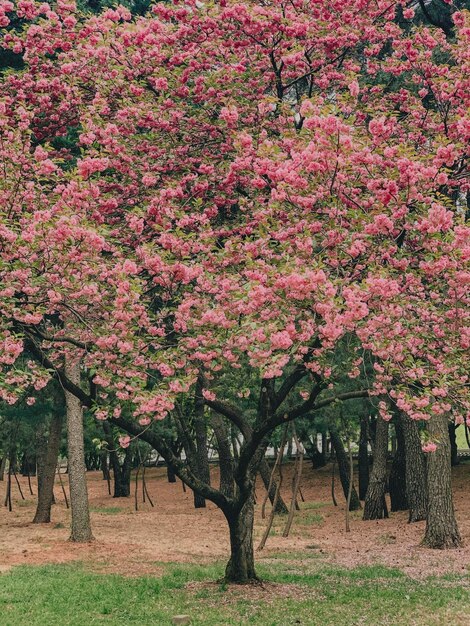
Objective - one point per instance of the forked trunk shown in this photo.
(241, 566)
(81, 527)
(415, 470)
(441, 525)
(375, 506)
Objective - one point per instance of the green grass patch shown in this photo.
(69, 595)
(106, 510)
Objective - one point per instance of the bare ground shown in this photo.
(139, 542)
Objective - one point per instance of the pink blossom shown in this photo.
(124, 441)
(354, 88)
(281, 341)
(429, 447)
(208, 395)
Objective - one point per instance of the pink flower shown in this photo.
(125, 441)
(229, 115)
(208, 395)
(459, 18)
(354, 88)
(281, 341)
(408, 14)
(429, 447)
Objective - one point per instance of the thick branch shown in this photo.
(179, 467)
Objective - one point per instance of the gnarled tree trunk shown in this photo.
(81, 527)
(441, 526)
(241, 566)
(415, 470)
(375, 506)
(343, 467)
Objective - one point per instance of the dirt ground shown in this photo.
(138, 542)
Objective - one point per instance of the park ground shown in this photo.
(149, 565)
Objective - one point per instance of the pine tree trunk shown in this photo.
(3, 462)
(441, 525)
(343, 467)
(241, 566)
(81, 527)
(415, 469)
(104, 465)
(170, 474)
(397, 480)
(375, 506)
(47, 464)
(363, 458)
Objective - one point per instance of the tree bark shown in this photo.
(3, 462)
(170, 474)
(415, 470)
(47, 463)
(397, 480)
(241, 566)
(225, 455)
(202, 452)
(81, 527)
(121, 471)
(343, 467)
(363, 457)
(454, 458)
(441, 526)
(317, 458)
(375, 506)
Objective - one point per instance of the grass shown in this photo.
(107, 510)
(68, 595)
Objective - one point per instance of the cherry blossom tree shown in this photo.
(238, 186)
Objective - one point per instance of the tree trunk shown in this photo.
(47, 464)
(3, 462)
(241, 566)
(397, 480)
(343, 467)
(28, 464)
(225, 455)
(121, 472)
(317, 458)
(202, 453)
(415, 469)
(81, 527)
(265, 473)
(375, 506)
(441, 525)
(170, 474)
(363, 457)
(454, 458)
